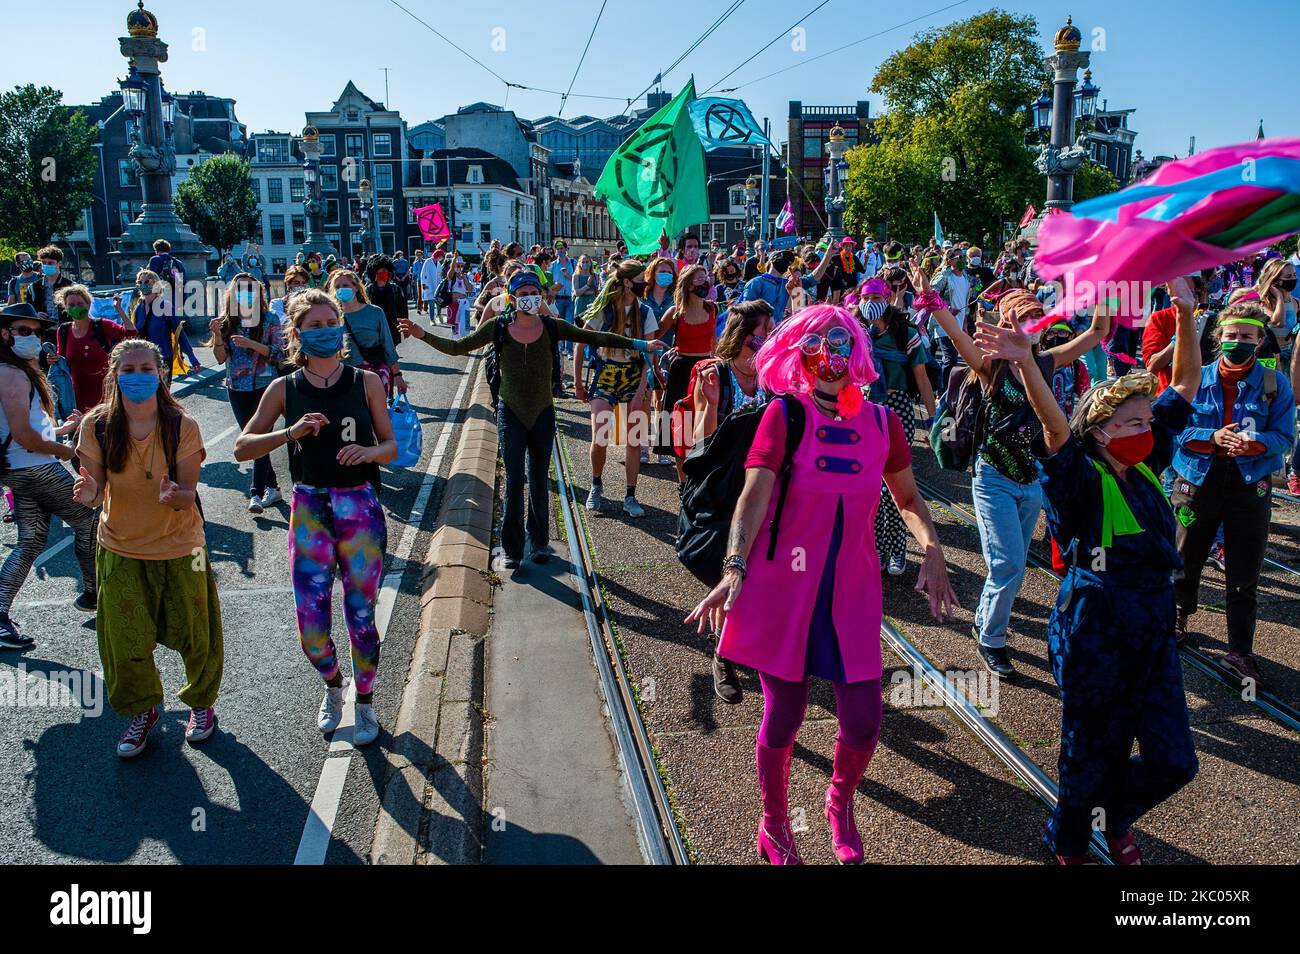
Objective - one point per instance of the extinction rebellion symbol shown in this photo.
(723, 123)
(647, 174)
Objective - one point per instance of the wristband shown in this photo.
(930, 301)
(735, 562)
(641, 345)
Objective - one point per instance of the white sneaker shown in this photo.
(897, 564)
(272, 497)
(367, 727)
(645, 455)
(331, 708)
(632, 508)
(254, 504)
(594, 499)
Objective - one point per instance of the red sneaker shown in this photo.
(203, 722)
(1124, 850)
(136, 736)
(1293, 484)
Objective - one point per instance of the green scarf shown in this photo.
(1116, 515)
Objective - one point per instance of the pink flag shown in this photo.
(432, 222)
(1216, 207)
(1028, 217)
(785, 218)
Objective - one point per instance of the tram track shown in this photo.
(661, 838)
(1270, 705)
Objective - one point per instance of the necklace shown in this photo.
(153, 454)
(822, 401)
(325, 379)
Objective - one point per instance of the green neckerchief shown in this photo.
(1116, 515)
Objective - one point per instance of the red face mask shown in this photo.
(1133, 449)
(381, 276)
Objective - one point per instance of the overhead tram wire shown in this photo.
(689, 50)
(475, 60)
(841, 49)
(766, 45)
(583, 58)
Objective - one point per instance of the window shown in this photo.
(485, 202)
(275, 190)
(354, 212)
(428, 172)
(329, 178)
(328, 146)
(386, 214)
(278, 265)
(353, 116)
(356, 145)
(812, 146)
(476, 175)
(128, 212)
(332, 211)
(388, 242)
(296, 190)
(277, 230)
(485, 233)
(466, 203)
(299, 229)
(257, 190)
(332, 238)
(384, 177)
(259, 233)
(127, 175)
(383, 144)
(273, 150)
(467, 234)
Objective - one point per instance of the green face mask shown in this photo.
(77, 312)
(1239, 352)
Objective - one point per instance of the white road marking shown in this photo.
(318, 831)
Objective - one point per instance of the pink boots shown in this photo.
(775, 839)
(849, 767)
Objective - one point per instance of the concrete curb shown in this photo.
(431, 811)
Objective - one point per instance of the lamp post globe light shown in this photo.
(150, 112)
(836, 147)
(366, 195)
(312, 206)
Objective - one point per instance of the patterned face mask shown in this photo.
(872, 310)
(827, 358)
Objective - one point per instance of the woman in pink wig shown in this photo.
(814, 605)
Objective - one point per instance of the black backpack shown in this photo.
(499, 331)
(96, 331)
(715, 475)
(171, 440)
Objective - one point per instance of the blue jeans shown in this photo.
(945, 354)
(1007, 513)
(564, 311)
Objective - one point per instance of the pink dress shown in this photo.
(830, 508)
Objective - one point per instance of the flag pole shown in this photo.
(766, 193)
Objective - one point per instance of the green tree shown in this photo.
(217, 201)
(953, 139)
(47, 165)
(1093, 179)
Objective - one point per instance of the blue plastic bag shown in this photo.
(406, 429)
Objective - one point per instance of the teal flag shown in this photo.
(721, 123)
(938, 230)
(654, 183)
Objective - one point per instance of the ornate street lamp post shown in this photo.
(836, 147)
(366, 196)
(150, 112)
(1060, 158)
(751, 208)
(312, 206)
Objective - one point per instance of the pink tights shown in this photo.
(857, 706)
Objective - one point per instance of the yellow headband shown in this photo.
(1110, 397)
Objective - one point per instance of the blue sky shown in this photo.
(1189, 67)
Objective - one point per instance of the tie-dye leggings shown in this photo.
(338, 529)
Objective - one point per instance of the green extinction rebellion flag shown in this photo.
(654, 183)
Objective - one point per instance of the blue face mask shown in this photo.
(246, 298)
(321, 342)
(49, 269)
(345, 295)
(138, 386)
(664, 279)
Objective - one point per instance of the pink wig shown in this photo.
(780, 363)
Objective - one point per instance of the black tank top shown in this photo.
(314, 460)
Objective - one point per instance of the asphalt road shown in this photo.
(245, 795)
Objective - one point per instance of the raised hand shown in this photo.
(711, 384)
(214, 326)
(310, 423)
(409, 327)
(1181, 295)
(84, 488)
(998, 341)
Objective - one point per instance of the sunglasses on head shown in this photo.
(836, 339)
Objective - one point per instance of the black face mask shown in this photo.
(1287, 284)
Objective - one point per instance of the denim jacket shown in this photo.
(1273, 424)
